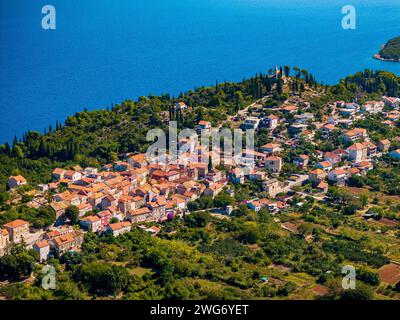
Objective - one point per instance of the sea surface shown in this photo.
(105, 51)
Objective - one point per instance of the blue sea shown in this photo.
(105, 51)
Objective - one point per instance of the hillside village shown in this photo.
(135, 192)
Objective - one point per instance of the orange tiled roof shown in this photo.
(16, 224)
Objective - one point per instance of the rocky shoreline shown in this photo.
(379, 57)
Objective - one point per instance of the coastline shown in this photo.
(380, 58)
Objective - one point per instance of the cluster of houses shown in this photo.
(136, 190)
(331, 167)
(56, 241)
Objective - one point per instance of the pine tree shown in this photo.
(279, 87)
(7, 149)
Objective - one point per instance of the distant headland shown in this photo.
(390, 51)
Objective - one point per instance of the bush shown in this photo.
(361, 292)
(368, 277)
(16, 266)
(198, 219)
(102, 279)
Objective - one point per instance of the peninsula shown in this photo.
(390, 51)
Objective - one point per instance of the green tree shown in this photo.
(361, 292)
(250, 233)
(72, 213)
(19, 264)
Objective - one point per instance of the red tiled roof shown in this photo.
(16, 224)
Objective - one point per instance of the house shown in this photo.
(84, 208)
(203, 125)
(91, 223)
(249, 156)
(317, 175)
(165, 175)
(58, 174)
(384, 145)
(108, 201)
(236, 175)
(90, 172)
(297, 128)
(140, 215)
(59, 207)
(327, 129)
(126, 203)
(393, 116)
(138, 160)
(95, 199)
(273, 164)
(16, 181)
(258, 204)
(324, 165)
(70, 197)
(71, 241)
(17, 230)
(121, 166)
(364, 166)
(271, 122)
(371, 148)
(43, 187)
(157, 209)
(119, 228)
(257, 175)
(373, 106)
(179, 202)
(333, 157)
(353, 172)
(271, 148)
(348, 110)
(153, 230)
(289, 109)
(273, 187)
(303, 118)
(357, 152)
(214, 189)
(72, 175)
(308, 135)
(250, 123)
(354, 135)
(338, 176)
(43, 249)
(388, 123)
(391, 101)
(322, 187)
(302, 161)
